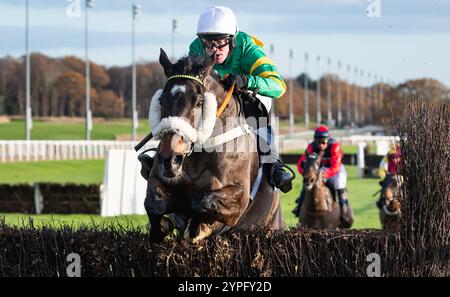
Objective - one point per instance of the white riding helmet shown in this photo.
(217, 20)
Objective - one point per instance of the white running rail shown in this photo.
(40, 150)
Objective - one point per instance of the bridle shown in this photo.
(198, 80)
(185, 76)
(232, 134)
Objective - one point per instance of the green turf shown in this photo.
(360, 197)
(346, 149)
(79, 172)
(86, 172)
(42, 130)
(75, 220)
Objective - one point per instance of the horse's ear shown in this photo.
(165, 63)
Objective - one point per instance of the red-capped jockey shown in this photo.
(332, 159)
(332, 170)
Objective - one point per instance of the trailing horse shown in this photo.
(389, 203)
(195, 175)
(319, 210)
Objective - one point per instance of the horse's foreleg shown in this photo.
(156, 206)
(211, 210)
(225, 205)
(197, 230)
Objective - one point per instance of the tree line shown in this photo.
(58, 89)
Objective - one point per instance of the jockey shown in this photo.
(333, 171)
(240, 60)
(389, 165)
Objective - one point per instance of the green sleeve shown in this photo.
(196, 48)
(262, 73)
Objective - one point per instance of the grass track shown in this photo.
(44, 130)
(91, 171)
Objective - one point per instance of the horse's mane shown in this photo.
(201, 67)
(195, 65)
(189, 65)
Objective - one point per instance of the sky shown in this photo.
(396, 40)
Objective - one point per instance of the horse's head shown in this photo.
(392, 193)
(183, 112)
(311, 172)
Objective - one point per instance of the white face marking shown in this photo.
(178, 88)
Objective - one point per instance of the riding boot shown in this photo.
(146, 164)
(257, 115)
(333, 190)
(278, 177)
(299, 202)
(346, 217)
(272, 165)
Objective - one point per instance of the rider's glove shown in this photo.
(239, 80)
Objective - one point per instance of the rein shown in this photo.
(225, 102)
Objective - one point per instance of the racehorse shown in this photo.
(208, 189)
(390, 214)
(319, 210)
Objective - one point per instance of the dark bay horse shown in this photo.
(207, 189)
(318, 210)
(390, 214)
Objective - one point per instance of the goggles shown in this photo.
(218, 44)
(322, 140)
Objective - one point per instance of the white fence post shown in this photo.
(19, 151)
(64, 151)
(77, 148)
(11, 151)
(35, 150)
(360, 159)
(25, 147)
(57, 151)
(51, 152)
(43, 150)
(38, 199)
(89, 150)
(3, 151)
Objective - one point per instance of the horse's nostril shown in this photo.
(311, 180)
